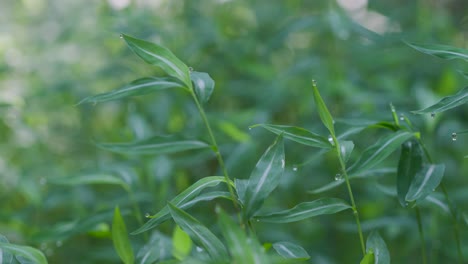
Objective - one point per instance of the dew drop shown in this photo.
(406, 204)
(147, 215)
(199, 249)
(59, 243)
(121, 36)
(294, 168)
(250, 128)
(258, 220)
(190, 69)
(402, 117)
(432, 114)
(43, 181)
(454, 136)
(338, 177)
(330, 139)
(314, 83)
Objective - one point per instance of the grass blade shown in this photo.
(291, 251)
(410, 164)
(324, 114)
(441, 51)
(160, 56)
(154, 146)
(265, 177)
(446, 103)
(425, 182)
(376, 153)
(184, 200)
(120, 238)
(203, 85)
(94, 178)
(29, 253)
(377, 246)
(306, 210)
(201, 235)
(138, 87)
(298, 134)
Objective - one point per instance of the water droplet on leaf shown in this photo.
(294, 168)
(190, 69)
(147, 215)
(250, 128)
(454, 136)
(121, 36)
(432, 114)
(338, 177)
(402, 117)
(314, 83)
(330, 139)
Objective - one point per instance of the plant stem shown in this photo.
(421, 235)
(350, 192)
(215, 148)
(456, 229)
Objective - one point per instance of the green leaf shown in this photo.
(376, 153)
(94, 178)
(377, 246)
(306, 210)
(181, 244)
(242, 248)
(290, 250)
(265, 177)
(158, 247)
(153, 146)
(446, 103)
(138, 87)
(29, 253)
(324, 114)
(120, 238)
(441, 51)
(5, 256)
(410, 164)
(298, 134)
(184, 200)
(203, 85)
(346, 148)
(368, 258)
(241, 188)
(201, 235)
(160, 56)
(425, 182)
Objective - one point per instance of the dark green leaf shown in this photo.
(409, 165)
(425, 182)
(306, 210)
(29, 253)
(184, 200)
(265, 177)
(203, 85)
(446, 103)
(120, 238)
(160, 56)
(441, 51)
(201, 235)
(154, 146)
(241, 187)
(290, 250)
(376, 245)
(376, 153)
(324, 114)
(138, 87)
(298, 134)
(157, 248)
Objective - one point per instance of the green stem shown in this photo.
(215, 148)
(421, 235)
(350, 192)
(456, 229)
(136, 209)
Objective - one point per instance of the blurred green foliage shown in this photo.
(262, 56)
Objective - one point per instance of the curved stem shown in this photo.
(421, 235)
(350, 192)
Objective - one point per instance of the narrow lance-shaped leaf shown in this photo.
(265, 177)
(181, 244)
(138, 87)
(378, 152)
(29, 253)
(120, 238)
(242, 248)
(154, 146)
(298, 134)
(409, 165)
(377, 246)
(324, 114)
(160, 56)
(291, 251)
(183, 200)
(203, 85)
(93, 178)
(425, 182)
(306, 210)
(441, 51)
(5, 256)
(446, 103)
(201, 235)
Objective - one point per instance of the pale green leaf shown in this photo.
(120, 238)
(181, 244)
(265, 177)
(203, 85)
(425, 182)
(306, 210)
(324, 114)
(377, 246)
(446, 103)
(368, 258)
(201, 235)
(138, 87)
(29, 253)
(291, 251)
(160, 56)
(298, 134)
(6, 257)
(441, 51)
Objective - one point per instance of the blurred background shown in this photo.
(262, 55)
